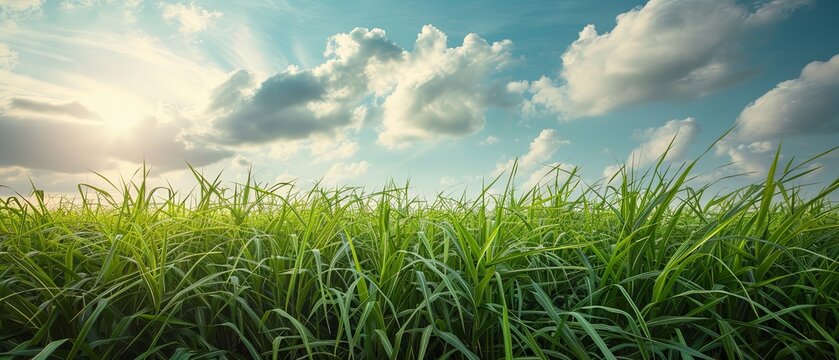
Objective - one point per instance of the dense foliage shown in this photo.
(647, 267)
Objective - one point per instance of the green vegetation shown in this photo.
(645, 268)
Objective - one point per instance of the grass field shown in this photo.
(645, 268)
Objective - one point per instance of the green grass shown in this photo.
(645, 268)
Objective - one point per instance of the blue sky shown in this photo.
(446, 94)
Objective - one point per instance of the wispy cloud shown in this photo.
(340, 173)
(489, 140)
(192, 18)
(79, 4)
(13, 9)
(8, 57)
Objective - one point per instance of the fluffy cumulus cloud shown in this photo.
(238, 86)
(440, 91)
(295, 103)
(665, 49)
(672, 138)
(340, 173)
(541, 150)
(191, 18)
(430, 92)
(807, 105)
(70, 138)
(538, 162)
(289, 105)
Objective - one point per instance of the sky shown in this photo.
(446, 95)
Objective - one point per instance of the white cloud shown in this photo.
(751, 158)
(610, 171)
(320, 148)
(285, 150)
(449, 181)
(540, 152)
(285, 177)
(453, 181)
(440, 91)
(425, 94)
(808, 104)
(298, 104)
(19, 8)
(760, 147)
(518, 87)
(329, 149)
(192, 18)
(130, 8)
(241, 161)
(546, 175)
(674, 137)
(664, 49)
(8, 57)
(78, 4)
(774, 10)
(490, 140)
(536, 163)
(340, 172)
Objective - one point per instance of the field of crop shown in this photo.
(645, 268)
